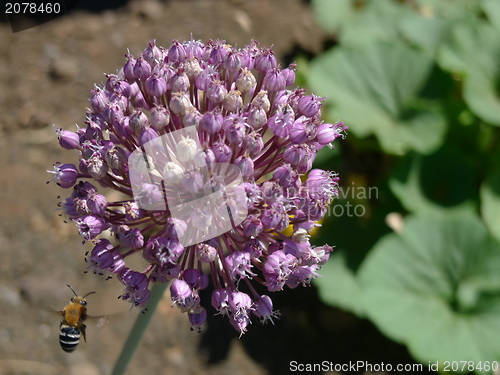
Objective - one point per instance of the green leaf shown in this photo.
(490, 201)
(449, 10)
(492, 10)
(355, 223)
(378, 20)
(375, 90)
(332, 14)
(427, 33)
(434, 183)
(338, 285)
(436, 288)
(473, 50)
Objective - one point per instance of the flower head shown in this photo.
(212, 201)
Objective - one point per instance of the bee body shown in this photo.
(69, 337)
(72, 324)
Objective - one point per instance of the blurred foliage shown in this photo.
(417, 222)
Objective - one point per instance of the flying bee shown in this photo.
(72, 323)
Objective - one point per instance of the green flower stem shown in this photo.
(138, 329)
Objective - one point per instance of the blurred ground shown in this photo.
(46, 74)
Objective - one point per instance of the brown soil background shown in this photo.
(46, 74)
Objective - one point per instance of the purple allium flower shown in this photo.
(237, 103)
(65, 175)
(104, 258)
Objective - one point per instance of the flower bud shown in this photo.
(246, 165)
(147, 135)
(179, 104)
(232, 63)
(264, 309)
(124, 88)
(206, 253)
(204, 158)
(197, 319)
(218, 52)
(211, 122)
(289, 74)
(234, 129)
(65, 175)
(98, 100)
(274, 81)
(252, 226)
(253, 144)
(180, 82)
(160, 118)
(216, 92)
(220, 300)
(115, 157)
(285, 175)
(176, 53)
(325, 134)
(192, 68)
(97, 204)
(233, 101)
(111, 80)
(97, 167)
(68, 139)
(222, 152)
(120, 100)
(186, 149)
(194, 49)
(261, 101)
(175, 228)
(309, 105)
(246, 81)
(192, 118)
(128, 69)
(172, 173)
(156, 85)
(152, 54)
(201, 218)
(265, 61)
(113, 114)
(138, 121)
(142, 69)
(192, 181)
(257, 118)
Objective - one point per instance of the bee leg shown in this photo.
(82, 329)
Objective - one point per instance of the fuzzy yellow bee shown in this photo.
(72, 323)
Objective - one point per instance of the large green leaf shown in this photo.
(434, 183)
(332, 14)
(375, 90)
(378, 20)
(449, 9)
(427, 33)
(473, 50)
(490, 201)
(492, 10)
(358, 23)
(436, 288)
(355, 223)
(338, 285)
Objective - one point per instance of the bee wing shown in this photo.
(102, 320)
(52, 311)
